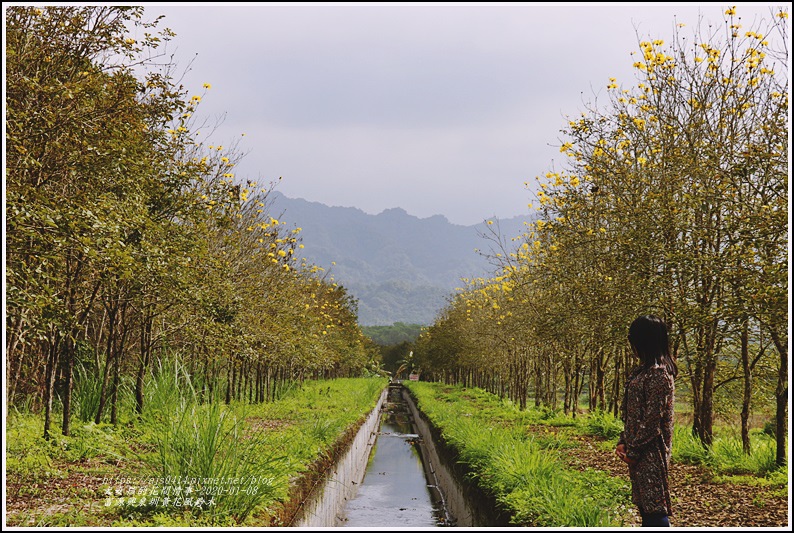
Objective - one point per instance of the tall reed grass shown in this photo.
(86, 392)
(603, 424)
(207, 449)
(726, 454)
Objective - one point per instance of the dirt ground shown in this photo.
(698, 500)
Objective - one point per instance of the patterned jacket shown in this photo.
(648, 436)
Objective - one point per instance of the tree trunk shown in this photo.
(145, 355)
(12, 377)
(614, 401)
(114, 396)
(108, 362)
(68, 355)
(120, 347)
(706, 407)
(600, 377)
(747, 391)
(49, 381)
(781, 400)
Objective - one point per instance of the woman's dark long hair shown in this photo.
(648, 335)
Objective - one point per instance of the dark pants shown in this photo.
(655, 520)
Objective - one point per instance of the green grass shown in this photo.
(256, 451)
(602, 424)
(86, 393)
(726, 456)
(66, 480)
(522, 470)
(524, 474)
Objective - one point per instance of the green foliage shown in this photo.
(687, 448)
(555, 417)
(603, 424)
(86, 392)
(525, 475)
(128, 231)
(169, 386)
(28, 455)
(673, 189)
(210, 449)
(397, 333)
(583, 500)
(726, 454)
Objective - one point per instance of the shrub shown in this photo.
(604, 424)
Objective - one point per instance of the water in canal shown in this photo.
(395, 491)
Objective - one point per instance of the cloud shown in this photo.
(437, 108)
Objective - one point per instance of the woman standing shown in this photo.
(646, 441)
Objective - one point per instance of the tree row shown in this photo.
(673, 200)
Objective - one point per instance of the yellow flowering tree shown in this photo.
(672, 201)
(676, 171)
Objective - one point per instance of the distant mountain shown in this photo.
(399, 267)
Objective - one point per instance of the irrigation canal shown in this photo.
(394, 475)
(395, 490)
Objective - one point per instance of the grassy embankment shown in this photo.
(239, 464)
(513, 456)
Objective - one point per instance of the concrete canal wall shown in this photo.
(464, 505)
(328, 499)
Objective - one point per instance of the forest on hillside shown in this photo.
(400, 268)
(394, 334)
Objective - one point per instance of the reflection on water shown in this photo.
(394, 491)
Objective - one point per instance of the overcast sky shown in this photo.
(436, 108)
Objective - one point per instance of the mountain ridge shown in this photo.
(399, 267)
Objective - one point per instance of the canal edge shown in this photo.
(467, 503)
(308, 489)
